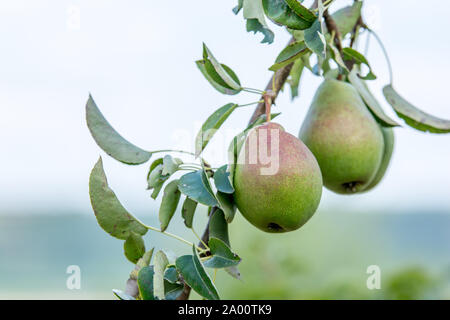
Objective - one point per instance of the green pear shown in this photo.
(277, 180)
(388, 137)
(344, 137)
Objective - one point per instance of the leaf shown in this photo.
(337, 57)
(279, 12)
(145, 283)
(222, 256)
(211, 125)
(413, 116)
(301, 10)
(253, 9)
(142, 262)
(213, 78)
(294, 77)
(227, 205)
(347, 17)
(289, 54)
(218, 226)
(171, 274)
(253, 25)
(353, 55)
(238, 7)
(110, 213)
(188, 211)
(169, 204)
(315, 40)
(230, 81)
(195, 275)
(134, 247)
(195, 185)
(170, 165)
(370, 100)
(160, 265)
(122, 295)
(109, 140)
(222, 180)
(172, 290)
(234, 272)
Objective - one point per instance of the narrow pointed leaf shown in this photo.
(160, 264)
(230, 81)
(211, 125)
(222, 180)
(145, 283)
(315, 40)
(353, 55)
(222, 256)
(169, 203)
(134, 247)
(195, 185)
(110, 213)
(122, 295)
(370, 100)
(294, 77)
(188, 211)
(195, 276)
(218, 226)
(109, 140)
(413, 116)
(289, 55)
(226, 203)
(347, 17)
(213, 78)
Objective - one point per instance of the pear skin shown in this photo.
(343, 136)
(280, 194)
(388, 135)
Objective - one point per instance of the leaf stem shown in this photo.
(169, 150)
(252, 90)
(384, 52)
(200, 239)
(249, 104)
(172, 236)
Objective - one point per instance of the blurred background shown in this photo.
(138, 63)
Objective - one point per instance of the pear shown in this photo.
(344, 137)
(388, 137)
(277, 180)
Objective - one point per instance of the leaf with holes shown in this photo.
(109, 140)
(370, 100)
(413, 116)
(194, 274)
(211, 125)
(110, 213)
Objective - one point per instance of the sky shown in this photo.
(137, 61)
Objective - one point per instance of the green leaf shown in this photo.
(155, 177)
(122, 295)
(337, 57)
(196, 186)
(315, 40)
(142, 262)
(172, 290)
(195, 276)
(222, 256)
(110, 213)
(213, 78)
(169, 204)
(294, 77)
(254, 10)
(188, 211)
(353, 55)
(218, 226)
(171, 274)
(170, 165)
(347, 17)
(230, 81)
(289, 54)
(160, 264)
(370, 100)
(145, 283)
(222, 180)
(238, 7)
(253, 25)
(413, 116)
(109, 140)
(134, 247)
(211, 125)
(234, 272)
(227, 205)
(279, 12)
